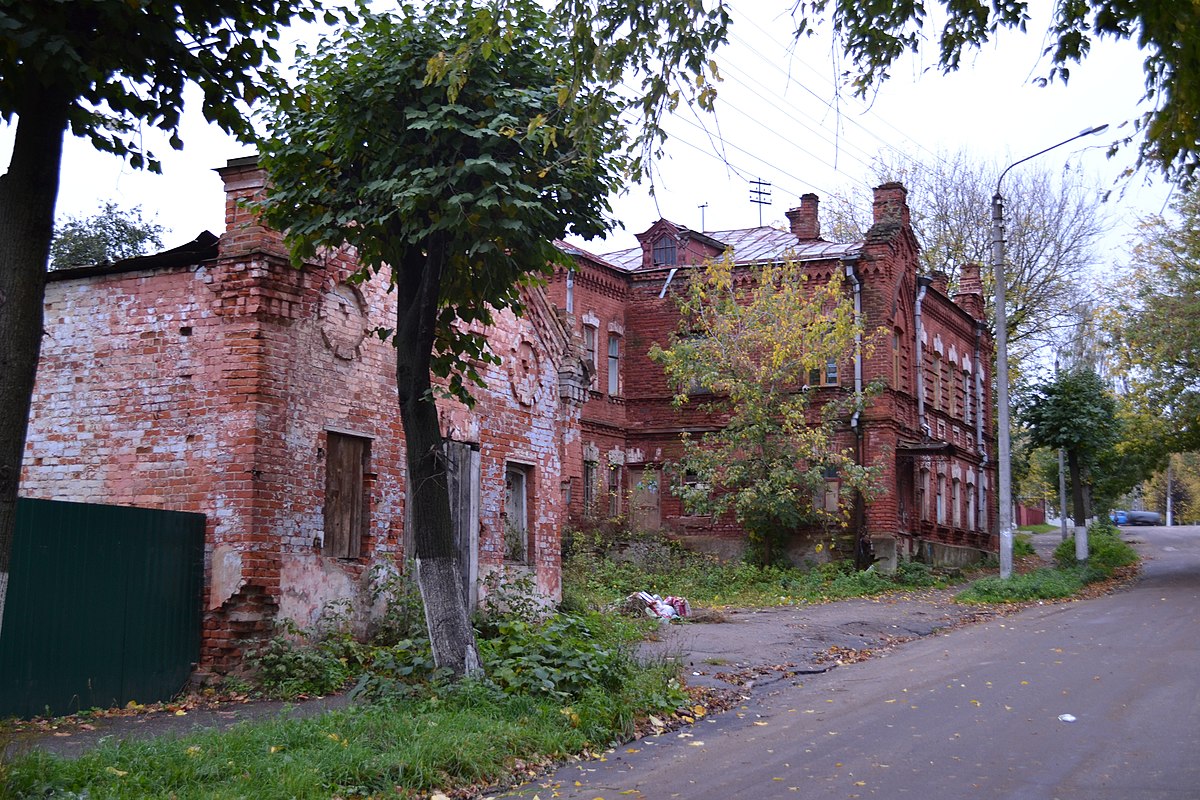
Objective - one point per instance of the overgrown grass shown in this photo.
(1106, 554)
(553, 688)
(1041, 527)
(601, 574)
(469, 734)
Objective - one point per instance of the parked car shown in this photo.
(1119, 517)
(1144, 518)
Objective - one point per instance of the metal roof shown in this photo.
(753, 245)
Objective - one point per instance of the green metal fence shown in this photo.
(104, 607)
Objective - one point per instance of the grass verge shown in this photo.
(598, 580)
(1107, 554)
(563, 686)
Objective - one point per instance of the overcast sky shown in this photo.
(780, 119)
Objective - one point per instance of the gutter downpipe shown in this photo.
(923, 283)
(980, 489)
(863, 557)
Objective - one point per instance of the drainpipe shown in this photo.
(863, 556)
(570, 291)
(923, 282)
(980, 490)
(852, 275)
(667, 285)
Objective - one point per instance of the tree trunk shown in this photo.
(418, 281)
(1078, 502)
(28, 192)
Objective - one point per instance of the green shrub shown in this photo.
(288, 666)
(1107, 552)
(1023, 545)
(560, 658)
(403, 616)
(1042, 584)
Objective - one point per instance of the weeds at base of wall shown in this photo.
(604, 565)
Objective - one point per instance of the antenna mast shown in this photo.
(760, 194)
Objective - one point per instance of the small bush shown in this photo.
(560, 658)
(1107, 552)
(288, 666)
(1023, 546)
(1042, 584)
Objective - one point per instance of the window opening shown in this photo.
(664, 253)
(589, 487)
(516, 513)
(614, 364)
(589, 348)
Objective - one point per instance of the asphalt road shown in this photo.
(1097, 699)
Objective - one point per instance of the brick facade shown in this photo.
(925, 430)
(218, 379)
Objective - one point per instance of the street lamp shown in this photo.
(1003, 434)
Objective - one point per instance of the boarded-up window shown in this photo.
(346, 506)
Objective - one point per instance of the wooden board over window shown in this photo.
(346, 508)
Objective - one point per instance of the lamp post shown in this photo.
(1003, 434)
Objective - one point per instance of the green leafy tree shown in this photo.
(750, 340)
(101, 68)
(110, 234)
(1077, 413)
(876, 34)
(1154, 324)
(445, 145)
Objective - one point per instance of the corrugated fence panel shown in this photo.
(104, 606)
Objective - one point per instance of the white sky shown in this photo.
(776, 115)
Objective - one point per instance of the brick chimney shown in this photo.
(941, 281)
(891, 204)
(805, 220)
(969, 296)
(245, 181)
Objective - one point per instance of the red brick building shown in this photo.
(930, 430)
(216, 378)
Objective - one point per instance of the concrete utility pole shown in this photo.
(1003, 431)
(1062, 481)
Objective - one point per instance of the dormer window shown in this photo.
(664, 251)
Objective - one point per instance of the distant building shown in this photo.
(930, 429)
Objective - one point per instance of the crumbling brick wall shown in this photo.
(217, 387)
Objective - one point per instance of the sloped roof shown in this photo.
(203, 248)
(752, 245)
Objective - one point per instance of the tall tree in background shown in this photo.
(102, 68)
(450, 144)
(747, 345)
(876, 34)
(1077, 413)
(111, 234)
(1155, 323)
(1053, 225)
